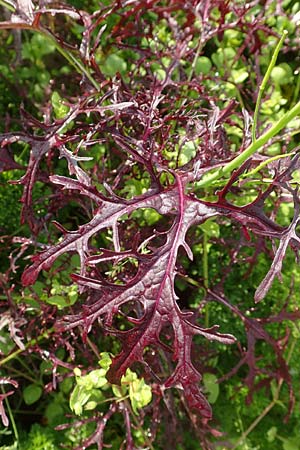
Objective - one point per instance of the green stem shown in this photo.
(7, 5)
(93, 347)
(297, 88)
(11, 416)
(13, 355)
(21, 374)
(252, 148)
(265, 163)
(264, 83)
(79, 67)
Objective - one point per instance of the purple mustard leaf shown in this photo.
(253, 217)
(255, 329)
(288, 237)
(7, 161)
(152, 287)
(3, 415)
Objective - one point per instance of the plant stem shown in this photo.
(297, 88)
(205, 276)
(79, 67)
(269, 406)
(7, 5)
(29, 344)
(138, 425)
(265, 163)
(21, 374)
(11, 417)
(264, 83)
(252, 148)
(254, 423)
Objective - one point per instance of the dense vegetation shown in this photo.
(149, 224)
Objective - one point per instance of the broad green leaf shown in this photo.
(54, 410)
(233, 38)
(6, 342)
(79, 397)
(203, 65)
(274, 149)
(140, 394)
(66, 385)
(239, 76)
(37, 47)
(187, 152)
(97, 378)
(151, 216)
(223, 57)
(274, 103)
(113, 64)
(271, 434)
(282, 74)
(59, 108)
(90, 405)
(105, 361)
(77, 372)
(46, 367)
(93, 380)
(119, 391)
(61, 301)
(129, 377)
(210, 228)
(158, 71)
(291, 444)
(32, 393)
(211, 387)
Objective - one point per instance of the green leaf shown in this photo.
(37, 47)
(78, 399)
(90, 405)
(97, 378)
(271, 434)
(203, 65)
(211, 387)
(291, 444)
(94, 380)
(223, 57)
(129, 377)
(113, 64)
(210, 228)
(46, 367)
(187, 152)
(158, 71)
(59, 108)
(54, 411)
(282, 74)
(140, 394)
(119, 391)
(274, 388)
(66, 385)
(233, 37)
(61, 301)
(239, 76)
(105, 361)
(32, 393)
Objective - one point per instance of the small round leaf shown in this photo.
(32, 393)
